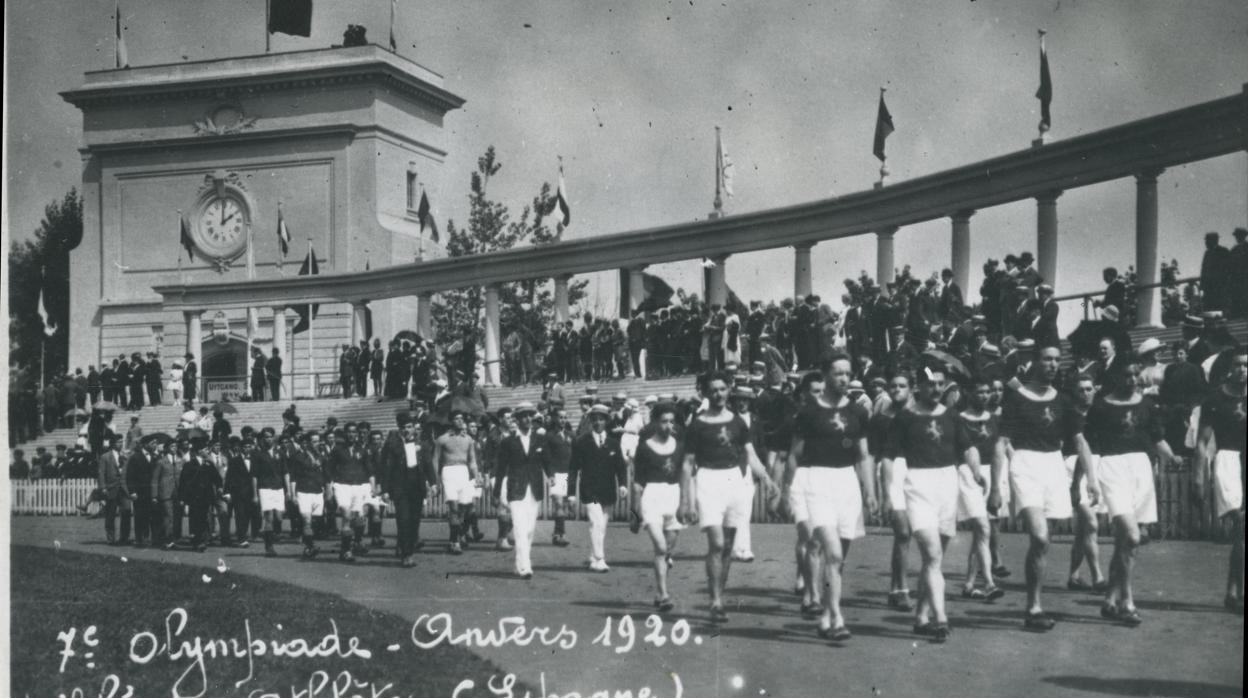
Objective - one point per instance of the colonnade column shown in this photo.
(717, 289)
(491, 336)
(885, 269)
(195, 339)
(801, 269)
(279, 343)
(636, 288)
(358, 312)
(424, 315)
(1148, 307)
(1046, 236)
(561, 298)
(960, 249)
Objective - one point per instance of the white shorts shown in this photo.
(897, 488)
(721, 498)
(1127, 486)
(350, 498)
(1039, 481)
(1228, 484)
(560, 488)
(659, 502)
(375, 502)
(310, 504)
(457, 485)
(932, 499)
(272, 500)
(829, 498)
(1085, 493)
(972, 499)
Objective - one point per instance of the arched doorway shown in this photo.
(224, 368)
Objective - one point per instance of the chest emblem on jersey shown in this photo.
(1128, 422)
(934, 432)
(1241, 411)
(837, 422)
(1048, 417)
(669, 466)
(723, 437)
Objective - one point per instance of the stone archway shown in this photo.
(224, 368)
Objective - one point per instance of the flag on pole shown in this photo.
(283, 238)
(293, 17)
(122, 57)
(561, 199)
(49, 328)
(184, 237)
(1045, 93)
(883, 127)
(394, 45)
(308, 268)
(425, 216)
(724, 168)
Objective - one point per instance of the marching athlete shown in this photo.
(718, 448)
(353, 483)
(455, 459)
(830, 474)
(522, 477)
(894, 492)
(1085, 546)
(656, 476)
(981, 428)
(560, 438)
(308, 486)
(268, 482)
(1220, 463)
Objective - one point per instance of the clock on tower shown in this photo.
(221, 219)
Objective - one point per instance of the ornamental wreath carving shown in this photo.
(223, 120)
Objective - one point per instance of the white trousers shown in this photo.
(741, 544)
(524, 522)
(597, 531)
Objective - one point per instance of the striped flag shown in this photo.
(49, 328)
(561, 199)
(122, 57)
(394, 45)
(883, 127)
(1045, 93)
(307, 313)
(283, 237)
(184, 237)
(424, 215)
(724, 168)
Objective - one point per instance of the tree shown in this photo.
(526, 306)
(42, 264)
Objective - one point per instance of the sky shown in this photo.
(629, 94)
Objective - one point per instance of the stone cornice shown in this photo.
(303, 133)
(268, 73)
(1195, 133)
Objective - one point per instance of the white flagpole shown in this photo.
(267, 36)
(719, 172)
(311, 365)
(252, 320)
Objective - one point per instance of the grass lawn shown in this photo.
(56, 593)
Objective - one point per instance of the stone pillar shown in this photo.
(195, 344)
(358, 313)
(424, 315)
(1046, 236)
(636, 288)
(801, 269)
(279, 343)
(717, 290)
(884, 265)
(1148, 305)
(561, 298)
(492, 329)
(960, 249)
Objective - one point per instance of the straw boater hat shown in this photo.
(525, 407)
(600, 410)
(1148, 346)
(1110, 312)
(1194, 321)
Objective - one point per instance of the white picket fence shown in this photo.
(51, 497)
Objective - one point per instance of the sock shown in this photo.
(455, 533)
(346, 543)
(559, 523)
(268, 539)
(307, 540)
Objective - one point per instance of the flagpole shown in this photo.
(311, 365)
(394, 46)
(719, 173)
(252, 318)
(883, 160)
(181, 276)
(420, 250)
(267, 20)
(1042, 127)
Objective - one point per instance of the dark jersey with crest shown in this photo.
(1113, 429)
(927, 440)
(718, 446)
(982, 433)
(1225, 414)
(830, 434)
(1035, 424)
(649, 466)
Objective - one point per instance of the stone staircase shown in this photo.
(380, 413)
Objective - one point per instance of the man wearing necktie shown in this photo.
(353, 482)
(524, 466)
(598, 459)
(239, 485)
(221, 506)
(408, 477)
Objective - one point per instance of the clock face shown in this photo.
(221, 226)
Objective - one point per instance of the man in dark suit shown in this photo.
(951, 302)
(138, 380)
(200, 488)
(108, 382)
(139, 469)
(240, 486)
(346, 369)
(854, 327)
(273, 371)
(525, 468)
(1215, 273)
(94, 383)
(111, 481)
(363, 360)
(154, 375)
(1045, 329)
(637, 340)
(258, 378)
(190, 378)
(122, 375)
(407, 473)
(597, 464)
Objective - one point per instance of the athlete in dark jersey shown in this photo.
(980, 428)
(1086, 545)
(891, 488)
(1220, 462)
(1122, 428)
(657, 465)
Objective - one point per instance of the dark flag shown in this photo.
(658, 293)
(1045, 93)
(561, 200)
(427, 222)
(883, 127)
(309, 267)
(184, 237)
(292, 17)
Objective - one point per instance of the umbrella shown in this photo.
(195, 433)
(225, 408)
(105, 406)
(159, 437)
(1089, 333)
(952, 363)
(409, 336)
(76, 412)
